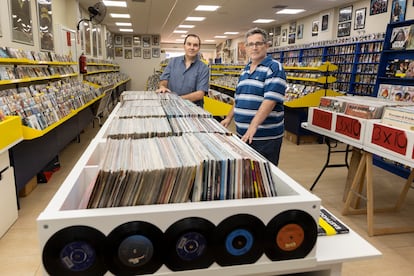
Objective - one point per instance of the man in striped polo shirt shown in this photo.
(258, 110)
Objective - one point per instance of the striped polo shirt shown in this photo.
(268, 82)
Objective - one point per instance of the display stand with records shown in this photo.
(257, 233)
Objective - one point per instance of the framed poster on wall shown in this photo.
(398, 8)
(344, 29)
(21, 21)
(359, 22)
(345, 14)
(44, 16)
(378, 6)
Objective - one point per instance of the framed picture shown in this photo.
(378, 6)
(292, 38)
(292, 28)
(118, 51)
(118, 40)
(21, 21)
(146, 41)
(146, 53)
(359, 22)
(325, 22)
(44, 16)
(299, 32)
(315, 28)
(137, 51)
(284, 35)
(136, 40)
(128, 53)
(278, 30)
(344, 29)
(398, 8)
(127, 41)
(345, 14)
(155, 40)
(155, 52)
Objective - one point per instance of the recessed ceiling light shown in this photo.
(290, 11)
(186, 26)
(123, 24)
(209, 40)
(115, 3)
(194, 18)
(263, 20)
(206, 8)
(126, 30)
(180, 32)
(231, 33)
(220, 36)
(120, 15)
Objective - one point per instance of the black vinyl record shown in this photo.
(239, 240)
(134, 248)
(291, 234)
(189, 244)
(75, 250)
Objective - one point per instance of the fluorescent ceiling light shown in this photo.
(194, 18)
(290, 11)
(231, 33)
(126, 30)
(179, 40)
(123, 24)
(263, 20)
(206, 8)
(180, 32)
(209, 40)
(220, 36)
(120, 15)
(186, 26)
(115, 3)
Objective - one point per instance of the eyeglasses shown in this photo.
(257, 44)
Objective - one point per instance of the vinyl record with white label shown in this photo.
(239, 240)
(189, 244)
(291, 234)
(135, 248)
(75, 250)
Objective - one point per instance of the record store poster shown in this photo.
(44, 13)
(21, 21)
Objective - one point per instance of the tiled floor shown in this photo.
(20, 254)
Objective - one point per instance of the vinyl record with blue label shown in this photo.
(239, 240)
(291, 234)
(75, 250)
(135, 248)
(189, 244)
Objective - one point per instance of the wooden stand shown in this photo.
(364, 174)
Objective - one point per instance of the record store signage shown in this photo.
(348, 126)
(389, 138)
(322, 119)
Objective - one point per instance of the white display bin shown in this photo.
(63, 211)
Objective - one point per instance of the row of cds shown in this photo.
(167, 170)
(41, 105)
(21, 72)
(10, 52)
(140, 247)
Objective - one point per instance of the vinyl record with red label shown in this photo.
(291, 234)
(239, 240)
(189, 244)
(135, 248)
(75, 250)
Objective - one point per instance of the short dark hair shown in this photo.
(256, 31)
(193, 35)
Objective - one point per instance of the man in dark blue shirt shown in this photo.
(187, 75)
(258, 111)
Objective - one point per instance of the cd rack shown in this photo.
(268, 235)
